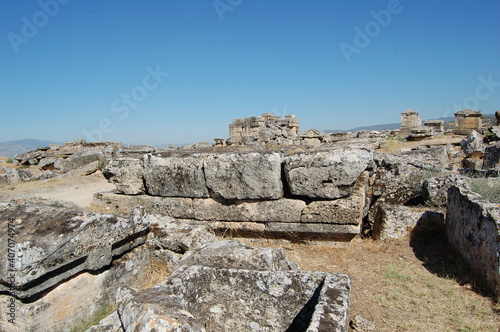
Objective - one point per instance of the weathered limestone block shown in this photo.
(310, 231)
(492, 156)
(79, 159)
(235, 255)
(282, 210)
(326, 174)
(178, 236)
(175, 207)
(126, 174)
(60, 309)
(473, 228)
(393, 221)
(52, 244)
(473, 145)
(348, 210)
(435, 190)
(175, 176)
(196, 297)
(153, 310)
(46, 164)
(244, 175)
(14, 175)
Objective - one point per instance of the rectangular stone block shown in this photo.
(473, 228)
(175, 176)
(283, 210)
(326, 174)
(310, 231)
(340, 211)
(175, 207)
(254, 175)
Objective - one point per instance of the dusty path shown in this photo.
(76, 188)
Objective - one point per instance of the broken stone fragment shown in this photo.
(50, 245)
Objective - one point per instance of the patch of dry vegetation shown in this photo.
(157, 272)
(417, 284)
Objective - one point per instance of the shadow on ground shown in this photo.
(430, 244)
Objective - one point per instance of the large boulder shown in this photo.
(326, 174)
(251, 175)
(47, 245)
(198, 297)
(175, 176)
(126, 174)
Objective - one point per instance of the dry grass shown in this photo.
(392, 145)
(403, 285)
(158, 271)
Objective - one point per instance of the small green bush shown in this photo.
(9, 161)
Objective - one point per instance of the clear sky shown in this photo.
(162, 72)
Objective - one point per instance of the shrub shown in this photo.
(9, 161)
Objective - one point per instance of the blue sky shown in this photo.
(162, 72)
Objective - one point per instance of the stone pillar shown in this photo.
(468, 120)
(409, 120)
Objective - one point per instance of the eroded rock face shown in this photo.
(235, 255)
(244, 176)
(126, 174)
(199, 297)
(175, 176)
(326, 174)
(50, 244)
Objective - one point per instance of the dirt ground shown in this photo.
(416, 283)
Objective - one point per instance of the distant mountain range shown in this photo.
(10, 148)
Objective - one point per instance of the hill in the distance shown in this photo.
(11, 148)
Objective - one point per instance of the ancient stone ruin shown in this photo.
(409, 120)
(264, 128)
(468, 120)
(172, 206)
